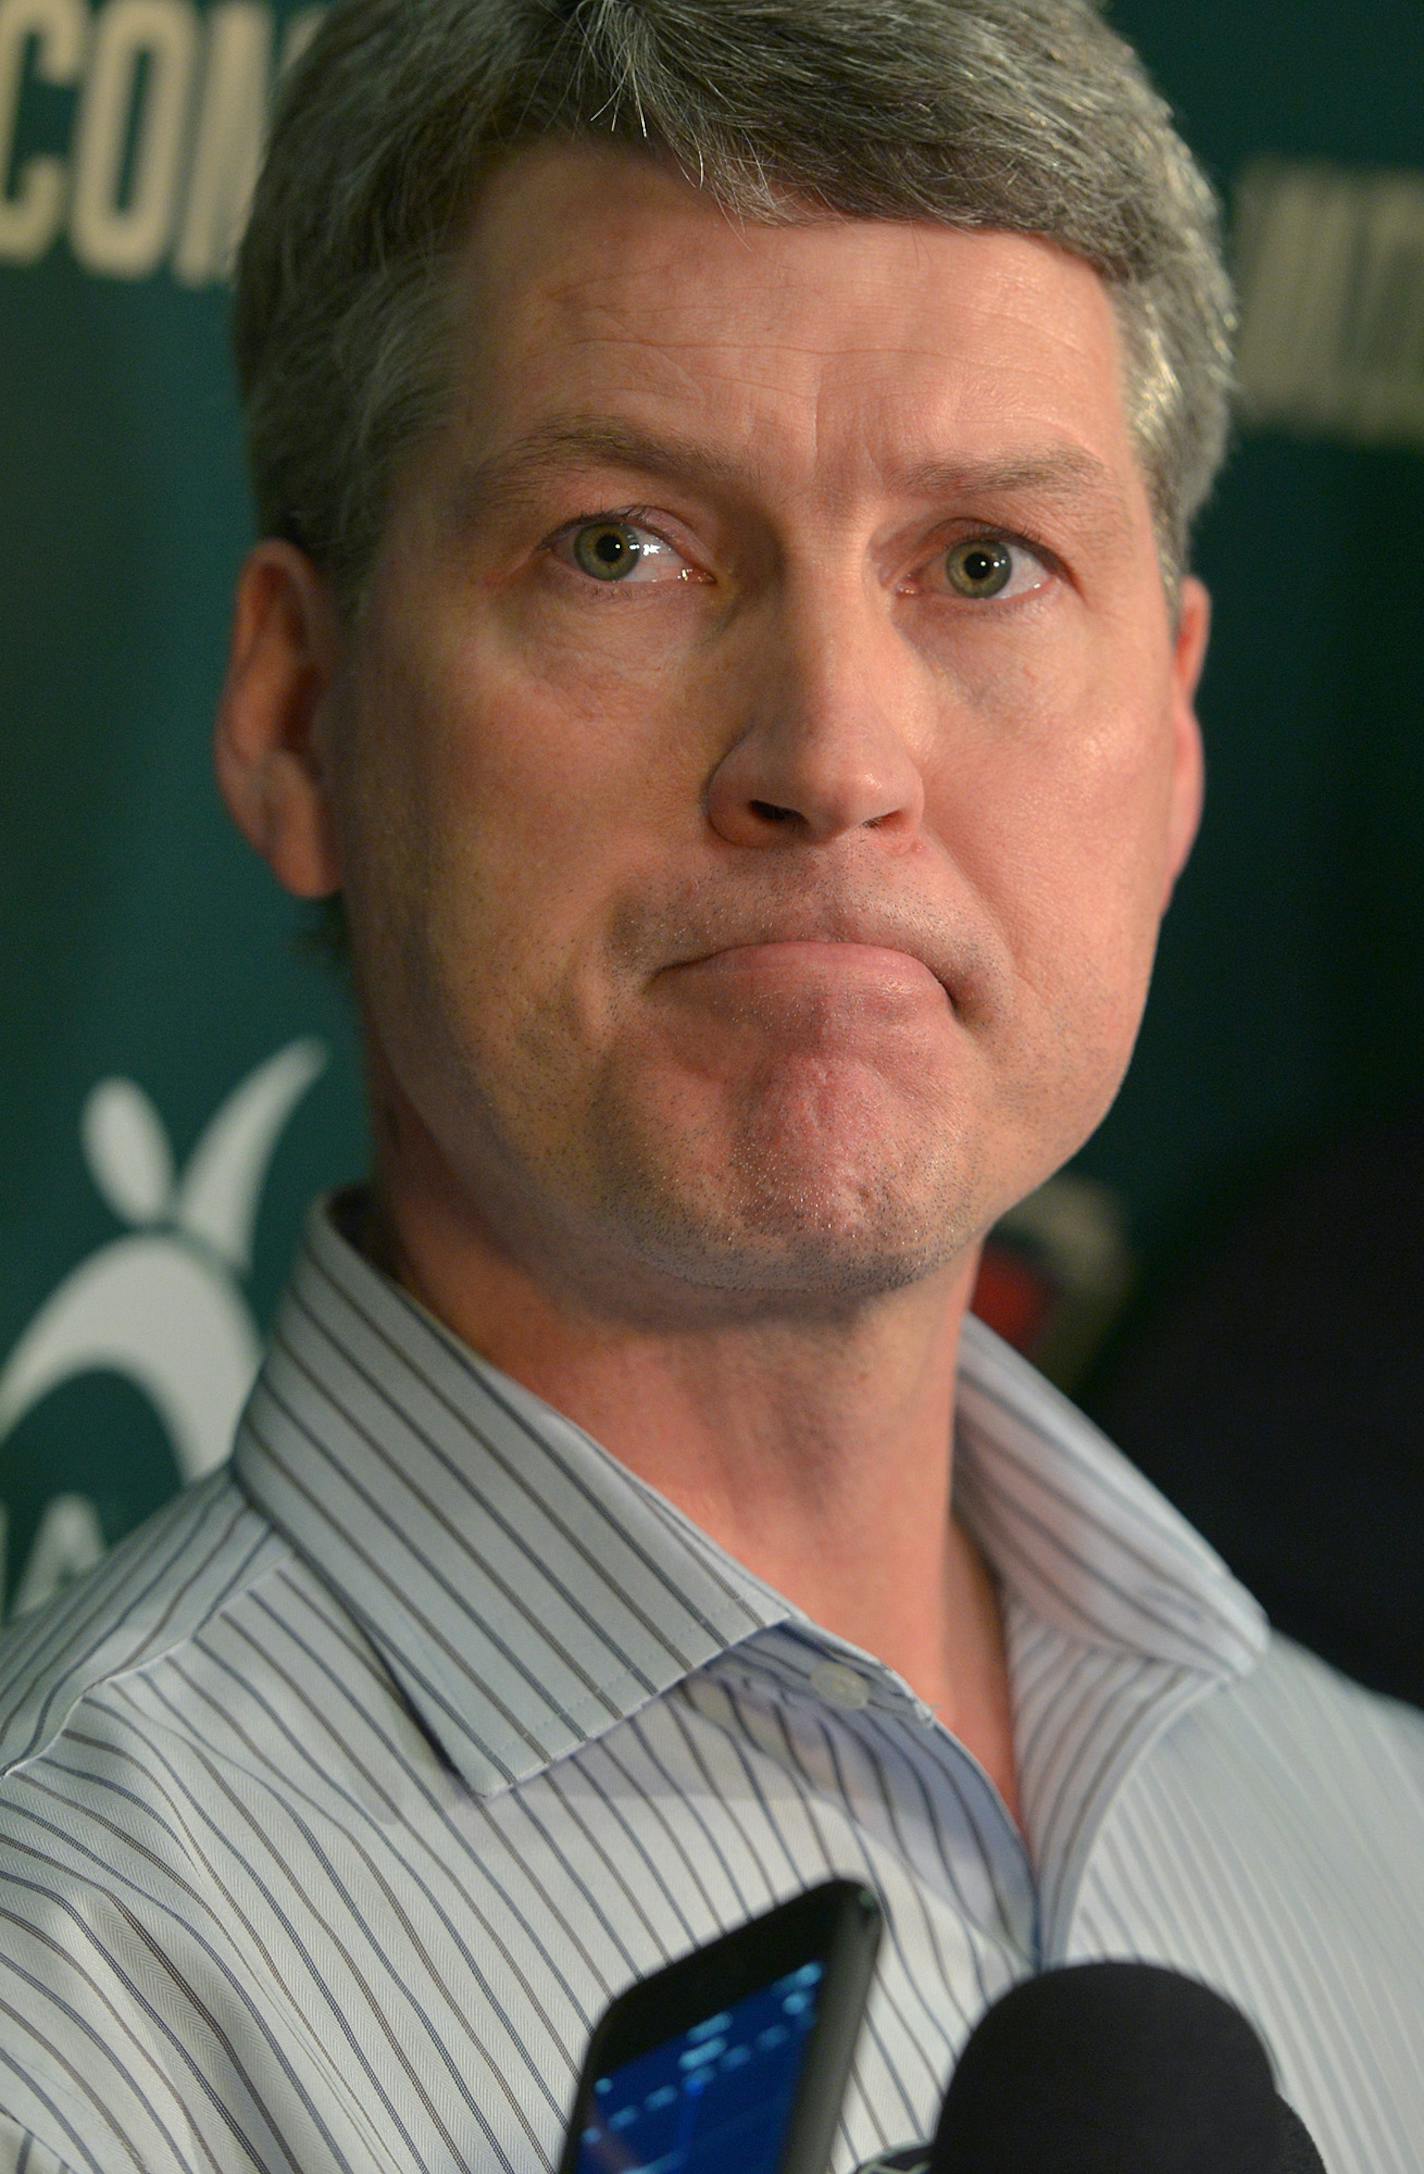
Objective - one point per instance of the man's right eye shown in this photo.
(617, 550)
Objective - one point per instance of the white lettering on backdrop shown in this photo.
(160, 136)
(1331, 269)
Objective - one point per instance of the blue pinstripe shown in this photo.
(338, 1802)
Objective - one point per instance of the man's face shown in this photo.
(756, 813)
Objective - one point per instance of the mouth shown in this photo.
(828, 963)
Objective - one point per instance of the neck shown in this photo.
(818, 1452)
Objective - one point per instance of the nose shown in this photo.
(830, 701)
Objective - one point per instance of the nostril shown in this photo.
(771, 813)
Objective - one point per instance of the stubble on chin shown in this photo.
(782, 1197)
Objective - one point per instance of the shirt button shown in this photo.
(840, 1685)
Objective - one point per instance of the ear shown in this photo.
(274, 717)
(1188, 759)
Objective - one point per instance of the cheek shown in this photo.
(496, 815)
(539, 747)
(462, 769)
(1057, 812)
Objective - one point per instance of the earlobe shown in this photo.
(1188, 760)
(269, 746)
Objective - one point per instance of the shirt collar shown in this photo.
(529, 1592)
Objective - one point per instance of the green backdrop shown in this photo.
(179, 1077)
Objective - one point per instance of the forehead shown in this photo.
(834, 350)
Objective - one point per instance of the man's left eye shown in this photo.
(985, 567)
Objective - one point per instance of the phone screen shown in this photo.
(719, 2095)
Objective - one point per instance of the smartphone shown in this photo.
(734, 2059)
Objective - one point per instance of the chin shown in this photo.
(779, 1228)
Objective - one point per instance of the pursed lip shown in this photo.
(880, 939)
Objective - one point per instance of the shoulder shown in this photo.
(1317, 1782)
(1326, 1717)
(102, 1839)
(151, 1597)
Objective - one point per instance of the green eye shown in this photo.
(977, 568)
(606, 549)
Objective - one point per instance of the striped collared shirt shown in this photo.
(339, 1801)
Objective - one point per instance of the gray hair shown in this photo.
(1026, 115)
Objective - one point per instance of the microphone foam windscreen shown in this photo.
(1111, 2068)
(1298, 2154)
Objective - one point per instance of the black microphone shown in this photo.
(1112, 2068)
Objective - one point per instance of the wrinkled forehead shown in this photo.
(595, 281)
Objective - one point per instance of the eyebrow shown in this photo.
(508, 479)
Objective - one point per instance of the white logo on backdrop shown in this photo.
(163, 1306)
